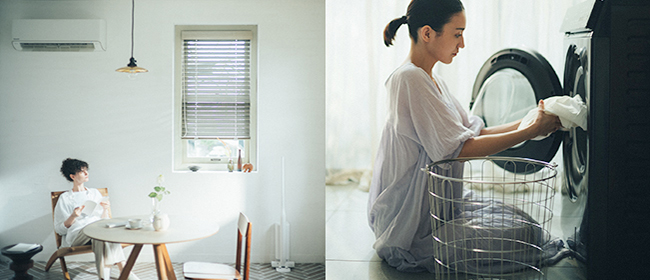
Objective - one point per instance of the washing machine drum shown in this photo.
(511, 83)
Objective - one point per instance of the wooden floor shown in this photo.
(147, 271)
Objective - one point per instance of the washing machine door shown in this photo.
(511, 83)
(577, 75)
(576, 140)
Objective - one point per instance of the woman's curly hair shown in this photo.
(71, 167)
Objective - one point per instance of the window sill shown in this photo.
(212, 171)
(206, 168)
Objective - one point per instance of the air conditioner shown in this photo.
(59, 35)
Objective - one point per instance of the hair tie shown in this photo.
(404, 19)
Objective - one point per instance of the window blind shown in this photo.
(216, 84)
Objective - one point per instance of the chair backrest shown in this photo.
(55, 198)
(243, 236)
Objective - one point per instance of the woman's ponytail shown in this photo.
(391, 29)
(434, 13)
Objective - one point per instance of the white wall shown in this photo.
(58, 105)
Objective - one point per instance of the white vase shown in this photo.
(161, 222)
(155, 209)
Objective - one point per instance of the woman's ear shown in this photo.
(426, 33)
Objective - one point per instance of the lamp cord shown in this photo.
(132, 23)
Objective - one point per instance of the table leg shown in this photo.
(130, 262)
(163, 263)
(168, 263)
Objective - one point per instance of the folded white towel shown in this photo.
(572, 112)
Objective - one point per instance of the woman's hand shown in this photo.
(106, 205)
(544, 123)
(77, 211)
(73, 216)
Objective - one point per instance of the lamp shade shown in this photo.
(132, 68)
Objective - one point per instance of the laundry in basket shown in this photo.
(487, 232)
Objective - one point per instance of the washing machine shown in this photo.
(605, 186)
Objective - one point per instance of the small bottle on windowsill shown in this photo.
(239, 161)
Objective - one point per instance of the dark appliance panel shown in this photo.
(619, 180)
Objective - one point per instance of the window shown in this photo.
(215, 77)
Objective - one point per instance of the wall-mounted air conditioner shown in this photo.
(59, 35)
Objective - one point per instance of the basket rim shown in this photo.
(551, 166)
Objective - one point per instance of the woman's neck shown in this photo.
(78, 188)
(420, 58)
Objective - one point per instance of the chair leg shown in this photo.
(64, 268)
(50, 262)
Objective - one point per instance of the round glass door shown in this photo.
(506, 96)
(511, 83)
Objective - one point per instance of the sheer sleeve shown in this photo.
(425, 115)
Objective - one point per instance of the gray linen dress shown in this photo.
(425, 124)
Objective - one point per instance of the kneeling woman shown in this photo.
(69, 222)
(426, 123)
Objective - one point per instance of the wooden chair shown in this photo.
(215, 271)
(61, 252)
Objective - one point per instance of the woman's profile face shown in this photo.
(447, 44)
(81, 176)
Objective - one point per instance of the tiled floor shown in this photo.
(350, 255)
(147, 271)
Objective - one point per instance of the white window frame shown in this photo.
(180, 145)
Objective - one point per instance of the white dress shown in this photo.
(425, 124)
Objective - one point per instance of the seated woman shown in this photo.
(69, 221)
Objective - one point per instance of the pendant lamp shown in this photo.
(132, 68)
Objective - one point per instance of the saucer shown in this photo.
(130, 228)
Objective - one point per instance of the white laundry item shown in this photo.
(572, 112)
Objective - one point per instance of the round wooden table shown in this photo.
(181, 229)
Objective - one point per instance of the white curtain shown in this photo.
(358, 63)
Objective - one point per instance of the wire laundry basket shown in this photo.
(488, 222)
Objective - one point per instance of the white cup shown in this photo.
(135, 223)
